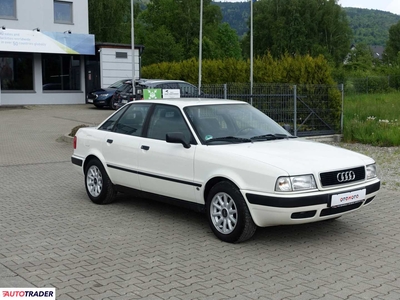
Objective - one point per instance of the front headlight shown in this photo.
(371, 171)
(295, 183)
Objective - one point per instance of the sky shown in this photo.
(386, 5)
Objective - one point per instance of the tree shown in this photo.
(393, 44)
(228, 42)
(160, 47)
(300, 27)
(359, 59)
(110, 20)
(181, 19)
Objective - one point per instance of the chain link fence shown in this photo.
(309, 110)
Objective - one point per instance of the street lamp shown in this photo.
(200, 44)
(251, 52)
(133, 47)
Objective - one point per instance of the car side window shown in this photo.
(166, 119)
(168, 85)
(131, 122)
(108, 125)
(188, 90)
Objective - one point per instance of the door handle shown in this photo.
(109, 141)
(145, 147)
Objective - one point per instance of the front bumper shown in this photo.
(270, 210)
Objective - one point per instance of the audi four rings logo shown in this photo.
(345, 176)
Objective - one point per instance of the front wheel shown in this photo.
(98, 185)
(228, 214)
(113, 104)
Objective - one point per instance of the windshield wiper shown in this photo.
(271, 136)
(230, 139)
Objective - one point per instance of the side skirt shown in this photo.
(160, 198)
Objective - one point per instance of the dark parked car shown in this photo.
(102, 97)
(123, 92)
(187, 90)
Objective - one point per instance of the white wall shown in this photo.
(113, 69)
(40, 13)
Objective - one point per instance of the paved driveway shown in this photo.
(52, 235)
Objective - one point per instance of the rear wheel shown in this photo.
(98, 185)
(228, 214)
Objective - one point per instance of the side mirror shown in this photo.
(287, 127)
(177, 138)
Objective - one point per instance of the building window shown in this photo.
(121, 55)
(61, 72)
(7, 9)
(16, 71)
(63, 12)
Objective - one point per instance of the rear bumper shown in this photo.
(270, 210)
(78, 163)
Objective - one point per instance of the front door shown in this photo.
(167, 168)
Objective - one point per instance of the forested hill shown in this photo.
(369, 26)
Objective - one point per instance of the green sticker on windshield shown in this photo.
(208, 137)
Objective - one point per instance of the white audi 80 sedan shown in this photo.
(225, 158)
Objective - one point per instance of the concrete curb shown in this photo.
(326, 138)
(66, 138)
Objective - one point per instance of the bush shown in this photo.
(76, 128)
(289, 69)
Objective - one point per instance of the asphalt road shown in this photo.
(51, 235)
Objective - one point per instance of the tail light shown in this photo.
(75, 141)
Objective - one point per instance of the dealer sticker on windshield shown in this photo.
(347, 198)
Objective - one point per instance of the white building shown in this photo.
(47, 55)
(111, 63)
(43, 44)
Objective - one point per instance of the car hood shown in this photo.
(298, 156)
(101, 91)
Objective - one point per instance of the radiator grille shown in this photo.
(342, 176)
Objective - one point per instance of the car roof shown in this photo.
(154, 81)
(183, 102)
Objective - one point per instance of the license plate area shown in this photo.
(90, 100)
(347, 198)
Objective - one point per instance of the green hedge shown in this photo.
(266, 69)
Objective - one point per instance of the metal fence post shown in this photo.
(295, 110)
(341, 115)
(225, 91)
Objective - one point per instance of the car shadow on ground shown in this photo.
(190, 220)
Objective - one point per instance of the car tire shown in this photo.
(113, 104)
(98, 185)
(228, 214)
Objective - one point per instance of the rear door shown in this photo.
(121, 146)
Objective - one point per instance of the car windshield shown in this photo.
(124, 87)
(117, 84)
(233, 123)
